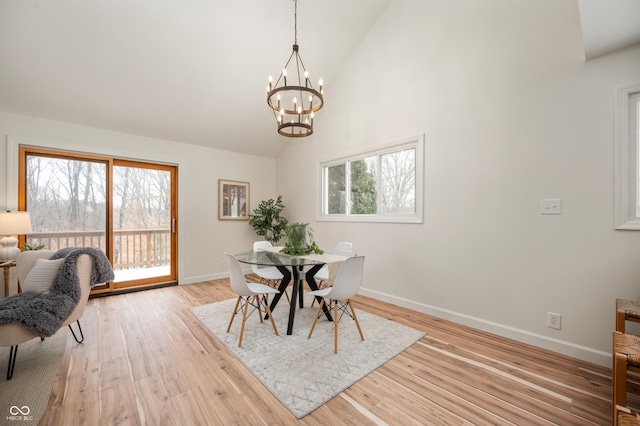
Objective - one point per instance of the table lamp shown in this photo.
(11, 224)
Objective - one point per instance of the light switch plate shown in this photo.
(551, 206)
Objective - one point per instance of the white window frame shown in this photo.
(416, 143)
(627, 160)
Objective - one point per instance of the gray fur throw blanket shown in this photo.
(44, 314)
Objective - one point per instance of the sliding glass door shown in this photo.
(125, 208)
(143, 222)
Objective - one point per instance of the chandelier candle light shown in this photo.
(294, 102)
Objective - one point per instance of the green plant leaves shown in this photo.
(267, 221)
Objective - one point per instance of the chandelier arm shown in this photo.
(299, 58)
(298, 66)
(289, 60)
(299, 80)
(285, 67)
(302, 100)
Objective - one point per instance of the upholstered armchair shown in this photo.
(15, 334)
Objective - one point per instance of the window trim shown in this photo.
(627, 163)
(416, 142)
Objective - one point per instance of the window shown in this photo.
(380, 185)
(627, 158)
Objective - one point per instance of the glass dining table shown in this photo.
(292, 267)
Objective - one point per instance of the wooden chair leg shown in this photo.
(353, 312)
(273, 324)
(244, 320)
(620, 321)
(619, 382)
(256, 300)
(233, 314)
(316, 318)
(335, 327)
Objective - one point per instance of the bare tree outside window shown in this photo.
(398, 181)
(141, 198)
(142, 216)
(65, 195)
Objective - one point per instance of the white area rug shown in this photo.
(305, 373)
(24, 398)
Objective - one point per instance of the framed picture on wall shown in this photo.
(233, 200)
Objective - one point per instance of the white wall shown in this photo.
(202, 238)
(511, 114)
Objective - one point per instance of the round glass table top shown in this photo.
(276, 258)
(271, 258)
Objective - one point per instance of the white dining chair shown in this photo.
(322, 276)
(269, 275)
(248, 294)
(346, 285)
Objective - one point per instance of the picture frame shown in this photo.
(233, 200)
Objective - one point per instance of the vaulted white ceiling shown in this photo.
(195, 71)
(608, 26)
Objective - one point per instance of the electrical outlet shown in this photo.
(551, 206)
(222, 265)
(554, 320)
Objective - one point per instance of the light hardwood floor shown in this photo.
(147, 360)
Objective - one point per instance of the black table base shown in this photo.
(297, 291)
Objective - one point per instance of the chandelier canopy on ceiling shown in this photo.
(293, 98)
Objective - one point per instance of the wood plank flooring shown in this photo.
(147, 360)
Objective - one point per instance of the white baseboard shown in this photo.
(201, 278)
(560, 346)
(210, 277)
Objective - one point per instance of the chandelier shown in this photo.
(294, 101)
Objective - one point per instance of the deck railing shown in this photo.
(134, 248)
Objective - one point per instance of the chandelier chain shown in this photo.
(295, 21)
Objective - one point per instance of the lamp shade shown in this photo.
(15, 223)
(12, 223)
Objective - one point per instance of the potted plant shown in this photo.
(300, 240)
(28, 247)
(267, 221)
